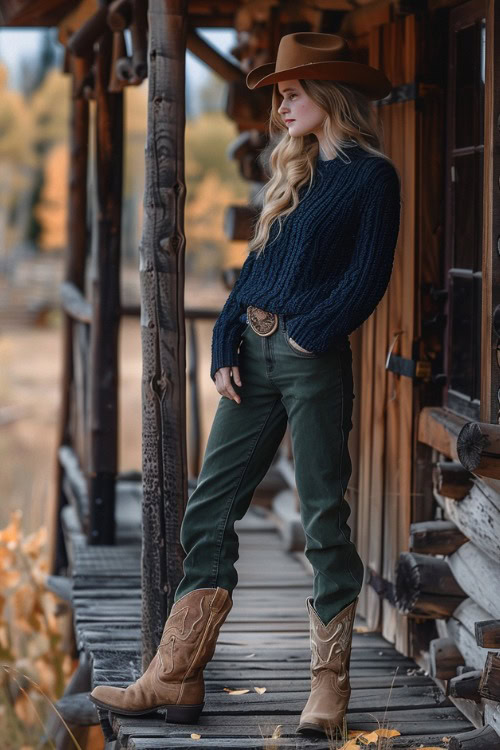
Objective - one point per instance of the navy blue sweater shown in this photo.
(331, 264)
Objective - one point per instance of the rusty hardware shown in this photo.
(410, 368)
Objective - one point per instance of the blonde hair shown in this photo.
(349, 116)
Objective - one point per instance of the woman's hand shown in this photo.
(223, 382)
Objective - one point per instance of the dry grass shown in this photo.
(342, 738)
(35, 665)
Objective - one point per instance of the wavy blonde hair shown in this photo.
(349, 116)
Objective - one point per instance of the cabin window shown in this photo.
(464, 204)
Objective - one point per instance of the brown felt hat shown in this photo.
(325, 57)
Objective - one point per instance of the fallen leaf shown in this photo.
(195, 736)
(260, 690)
(277, 732)
(236, 692)
(373, 736)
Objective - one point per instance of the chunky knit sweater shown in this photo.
(330, 265)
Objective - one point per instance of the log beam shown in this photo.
(119, 15)
(214, 59)
(484, 738)
(439, 428)
(444, 658)
(466, 686)
(82, 41)
(488, 633)
(451, 479)
(489, 686)
(425, 586)
(435, 537)
(478, 448)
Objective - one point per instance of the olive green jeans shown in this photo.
(314, 393)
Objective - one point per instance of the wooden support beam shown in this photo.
(444, 658)
(487, 633)
(490, 680)
(439, 428)
(81, 43)
(478, 448)
(105, 300)
(435, 537)
(119, 15)
(162, 258)
(221, 65)
(425, 586)
(74, 275)
(490, 257)
(74, 303)
(116, 82)
(451, 479)
(466, 686)
(139, 33)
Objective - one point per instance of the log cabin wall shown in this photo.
(448, 580)
(386, 400)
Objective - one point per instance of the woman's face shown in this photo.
(299, 113)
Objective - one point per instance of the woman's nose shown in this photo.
(282, 108)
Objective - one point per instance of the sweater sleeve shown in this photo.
(358, 291)
(228, 329)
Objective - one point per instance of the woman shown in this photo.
(319, 263)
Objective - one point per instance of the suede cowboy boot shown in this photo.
(174, 678)
(330, 659)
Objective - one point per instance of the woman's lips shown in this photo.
(287, 121)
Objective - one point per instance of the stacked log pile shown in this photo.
(452, 575)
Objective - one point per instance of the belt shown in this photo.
(262, 322)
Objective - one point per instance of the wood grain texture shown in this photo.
(162, 253)
(105, 298)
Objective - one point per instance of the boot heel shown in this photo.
(184, 714)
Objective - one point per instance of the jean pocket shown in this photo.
(298, 352)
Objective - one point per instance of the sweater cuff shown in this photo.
(225, 348)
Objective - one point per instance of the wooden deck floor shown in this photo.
(263, 644)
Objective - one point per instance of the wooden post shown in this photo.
(105, 298)
(73, 273)
(162, 321)
(490, 327)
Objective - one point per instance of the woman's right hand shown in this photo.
(223, 382)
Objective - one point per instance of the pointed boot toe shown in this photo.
(173, 680)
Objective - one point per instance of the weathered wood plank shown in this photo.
(479, 576)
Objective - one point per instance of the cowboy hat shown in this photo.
(326, 57)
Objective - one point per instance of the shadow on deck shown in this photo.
(263, 644)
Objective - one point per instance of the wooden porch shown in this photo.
(263, 644)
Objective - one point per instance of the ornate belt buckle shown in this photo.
(262, 322)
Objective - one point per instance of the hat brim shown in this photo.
(370, 81)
